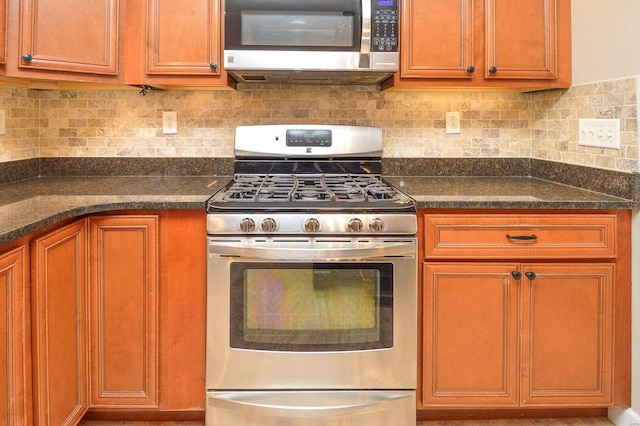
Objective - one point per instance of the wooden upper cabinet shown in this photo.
(71, 36)
(183, 40)
(521, 39)
(519, 44)
(170, 44)
(437, 39)
(3, 31)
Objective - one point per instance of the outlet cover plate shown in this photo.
(169, 122)
(452, 122)
(599, 132)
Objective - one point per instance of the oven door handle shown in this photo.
(309, 252)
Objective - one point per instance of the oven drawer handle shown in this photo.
(321, 403)
(306, 253)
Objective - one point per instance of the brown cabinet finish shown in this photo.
(182, 311)
(124, 312)
(567, 334)
(69, 36)
(470, 325)
(522, 44)
(3, 31)
(177, 45)
(15, 365)
(60, 332)
(536, 322)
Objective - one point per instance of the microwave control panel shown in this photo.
(384, 31)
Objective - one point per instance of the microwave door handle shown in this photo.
(365, 42)
(309, 253)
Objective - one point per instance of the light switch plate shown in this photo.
(599, 132)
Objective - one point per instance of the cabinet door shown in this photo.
(15, 368)
(521, 39)
(123, 299)
(183, 40)
(68, 35)
(567, 334)
(3, 31)
(437, 39)
(59, 311)
(470, 315)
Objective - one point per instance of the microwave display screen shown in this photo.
(385, 3)
(297, 29)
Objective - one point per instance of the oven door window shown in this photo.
(311, 307)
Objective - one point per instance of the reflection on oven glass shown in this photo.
(307, 299)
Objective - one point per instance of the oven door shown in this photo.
(298, 313)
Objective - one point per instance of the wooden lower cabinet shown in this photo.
(60, 326)
(524, 310)
(15, 365)
(124, 313)
(148, 290)
(473, 337)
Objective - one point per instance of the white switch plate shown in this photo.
(599, 132)
(169, 122)
(453, 122)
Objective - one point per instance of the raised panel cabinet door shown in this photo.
(567, 334)
(183, 39)
(3, 31)
(68, 35)
(124, 313)
(521, 39)
(470, 315)
(59, 324)
(15, 374)
(437, 39)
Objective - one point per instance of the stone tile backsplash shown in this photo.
(112, 123)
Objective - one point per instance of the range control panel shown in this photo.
(297, 137)
(384, 18)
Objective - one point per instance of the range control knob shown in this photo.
(312, 225)
(247, 225)
(268, 225)
(355, 225)
(376, 225)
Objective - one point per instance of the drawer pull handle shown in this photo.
(523, 237)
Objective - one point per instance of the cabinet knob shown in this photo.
(471, 69)
(27, 57)
(530, 275)
(516, 275)
(213, 66)
(493, 70)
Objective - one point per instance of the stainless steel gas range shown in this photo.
(312, 283)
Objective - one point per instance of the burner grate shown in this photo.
(309, 187)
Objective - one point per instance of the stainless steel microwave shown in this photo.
(352, 41)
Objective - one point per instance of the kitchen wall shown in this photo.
(111, 123)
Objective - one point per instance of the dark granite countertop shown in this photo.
(32, 204)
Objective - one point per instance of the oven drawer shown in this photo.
(530, 236)
(311, 408)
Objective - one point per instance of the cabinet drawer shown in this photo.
(474, 236)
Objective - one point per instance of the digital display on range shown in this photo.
(299, 137)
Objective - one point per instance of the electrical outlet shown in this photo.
(600, 132)
(169, 122)
(453, 122)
